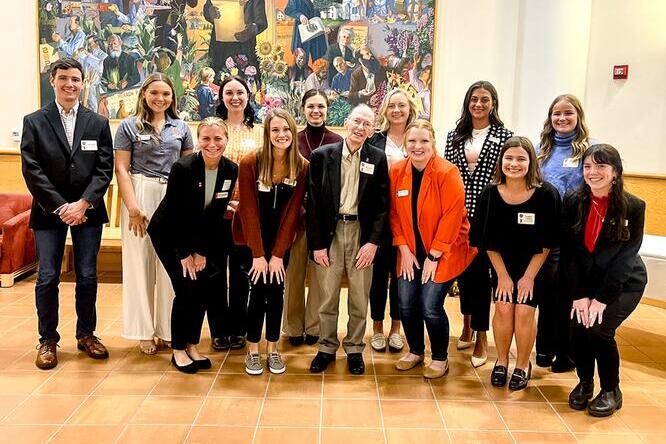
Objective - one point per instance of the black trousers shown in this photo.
(266, 302)
(192, 296)
(554, 309)
(476, 291)
(384, 280)
(597, 344)
(227, 315)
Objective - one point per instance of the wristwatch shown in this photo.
(433, 258)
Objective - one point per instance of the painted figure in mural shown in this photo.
(343, 47)
(341, 81)
(366, 78)
(205, 94)
(113, 14)
(171, 22)
(120, 70)
(420, 77)
(254, 12)
(302, 11)
(318, 80)
(298, 72)
(92, 58)
(74, 39)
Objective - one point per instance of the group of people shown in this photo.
(232, 225)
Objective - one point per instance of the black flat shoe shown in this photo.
(236, 342)
(562, 365)
(581, 394)
(544, 360)
(498, 375)
(355, 363)
(220, 344)
(202, 364)
(520, 378)
(311, 339)
(190, 368)
(605, 403)
(321, 361)
(296, 340)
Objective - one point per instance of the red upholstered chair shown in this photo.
(17, 242)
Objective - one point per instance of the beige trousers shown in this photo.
(300, 315)
(342, 256)
(147, 291)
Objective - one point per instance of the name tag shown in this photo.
(226, 185)
(403, 193)
(221, 195)
(89, 145)
(526, 218)
(263, 188)
(570, 163)
(144, 137)
(494, 139)
(247, 143)
(367, 168)
(287, 181)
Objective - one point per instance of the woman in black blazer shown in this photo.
(603, 273)
(185, 231)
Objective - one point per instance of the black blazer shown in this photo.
(181, 223)
(56, 174)
(379, 140)
(613, 267)
(323, 203)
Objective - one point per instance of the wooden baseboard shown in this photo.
(654, 302)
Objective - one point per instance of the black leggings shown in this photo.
(383, 280)
(475, 292)
(266, 301)
(598, 344)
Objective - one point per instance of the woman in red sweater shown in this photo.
(272, 187)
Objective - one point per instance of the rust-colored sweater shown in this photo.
(246, 224)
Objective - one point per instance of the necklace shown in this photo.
(596, 210)
(307, 139)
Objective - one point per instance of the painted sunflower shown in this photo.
(281, 69)
(264, 49)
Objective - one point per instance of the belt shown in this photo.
(347, 217)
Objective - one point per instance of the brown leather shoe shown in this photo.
(46, 355)
(93, 347)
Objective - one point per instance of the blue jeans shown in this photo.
(50, 246)
(424, 302)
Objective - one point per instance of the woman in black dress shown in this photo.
(605, 276)
(517, 223)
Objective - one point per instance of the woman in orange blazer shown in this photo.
(430, 229)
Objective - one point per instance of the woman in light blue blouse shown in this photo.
(147, 145)
(564, 139)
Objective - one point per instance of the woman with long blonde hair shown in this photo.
(147, 145)
(272, 184)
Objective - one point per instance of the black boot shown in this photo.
(581, 394)
(605, 403)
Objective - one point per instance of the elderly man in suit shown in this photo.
(342, 48)
(67, 160)
(348, 206)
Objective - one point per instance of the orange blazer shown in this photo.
(442, 216)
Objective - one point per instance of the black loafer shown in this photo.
(544, 360)
(220, 344)
(311, 339)
(236, 342)
(520, 377)
(296, 340)
(202, 364)
(321, 361)
(498, 375)
(581, 395)
(355, 363)
(190, 368)
(605, 403)
(562, 365)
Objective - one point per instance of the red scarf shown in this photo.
(595, 220)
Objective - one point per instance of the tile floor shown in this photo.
(134, 398)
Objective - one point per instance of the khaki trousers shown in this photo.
(147, 291)
(300, 316)
(342, 256)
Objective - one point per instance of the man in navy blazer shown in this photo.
(67, 162)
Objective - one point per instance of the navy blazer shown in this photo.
(181, 223)
(323, 203)
(56, 174)
(614, 267)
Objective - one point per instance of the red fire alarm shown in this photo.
(620, 71)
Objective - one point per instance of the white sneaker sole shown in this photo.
(277, 371)
(253, 372)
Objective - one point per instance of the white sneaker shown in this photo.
(378, 342)
(275, 363)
